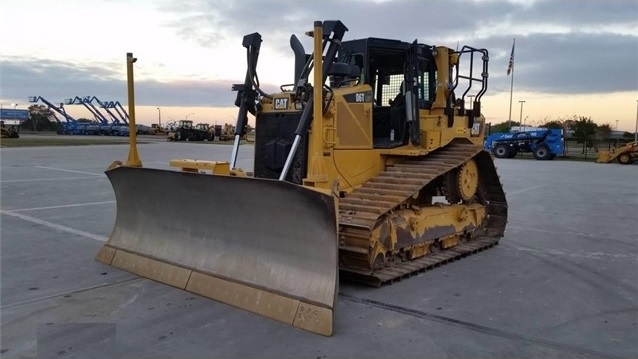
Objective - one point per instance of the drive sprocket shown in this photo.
(460, 185)
(467, 180)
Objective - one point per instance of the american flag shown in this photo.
(510, 67)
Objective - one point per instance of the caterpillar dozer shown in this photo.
(368, 166)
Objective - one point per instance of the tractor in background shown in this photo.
(625, 154)
(185, 131)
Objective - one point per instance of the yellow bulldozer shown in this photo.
(625, 154)
(367, 167)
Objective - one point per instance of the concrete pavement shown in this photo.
(562, 283)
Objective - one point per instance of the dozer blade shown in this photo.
(266, 246)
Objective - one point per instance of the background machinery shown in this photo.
(122, 115)
(185, 131)
(225, 132)
(373, 166)
(9, 130)
(100, 124)
(625, 154)
(206, 132)
(10, 121)
(70, 127)
(158, 130)
(119, 118)
(545, 144)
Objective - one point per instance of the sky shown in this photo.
(572, 57)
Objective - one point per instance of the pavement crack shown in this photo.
(476, 327)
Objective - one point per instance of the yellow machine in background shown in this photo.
(158, 130)
(9, 131)
(373, 167)
(625, 154)
(225, 132)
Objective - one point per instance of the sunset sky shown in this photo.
(573, 57)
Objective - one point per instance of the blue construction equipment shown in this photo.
(545, 144)
(70, 127)
(108, 105)
(101, 125)
(120, 120)
(117, 106)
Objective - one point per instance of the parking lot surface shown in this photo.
(562, 283)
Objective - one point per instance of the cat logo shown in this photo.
(281, 103)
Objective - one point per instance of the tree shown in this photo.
(603, 132)
(40, 119)
(553, 124)
(584, 131)
(503, 126)
(569, 123)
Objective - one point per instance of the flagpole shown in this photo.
(512, 85)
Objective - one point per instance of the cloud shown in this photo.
(562, 47)
(591, 14)
(401, 19)
(56, 81)
(578, 63)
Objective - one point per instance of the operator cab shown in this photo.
(185, 124)
(391, 68)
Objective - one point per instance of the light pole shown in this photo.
(192, 113)
(159, 116)
(14, 105)
(520, 121)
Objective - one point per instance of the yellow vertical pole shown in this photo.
(317, 175)
(133, 157)
(317, 82)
